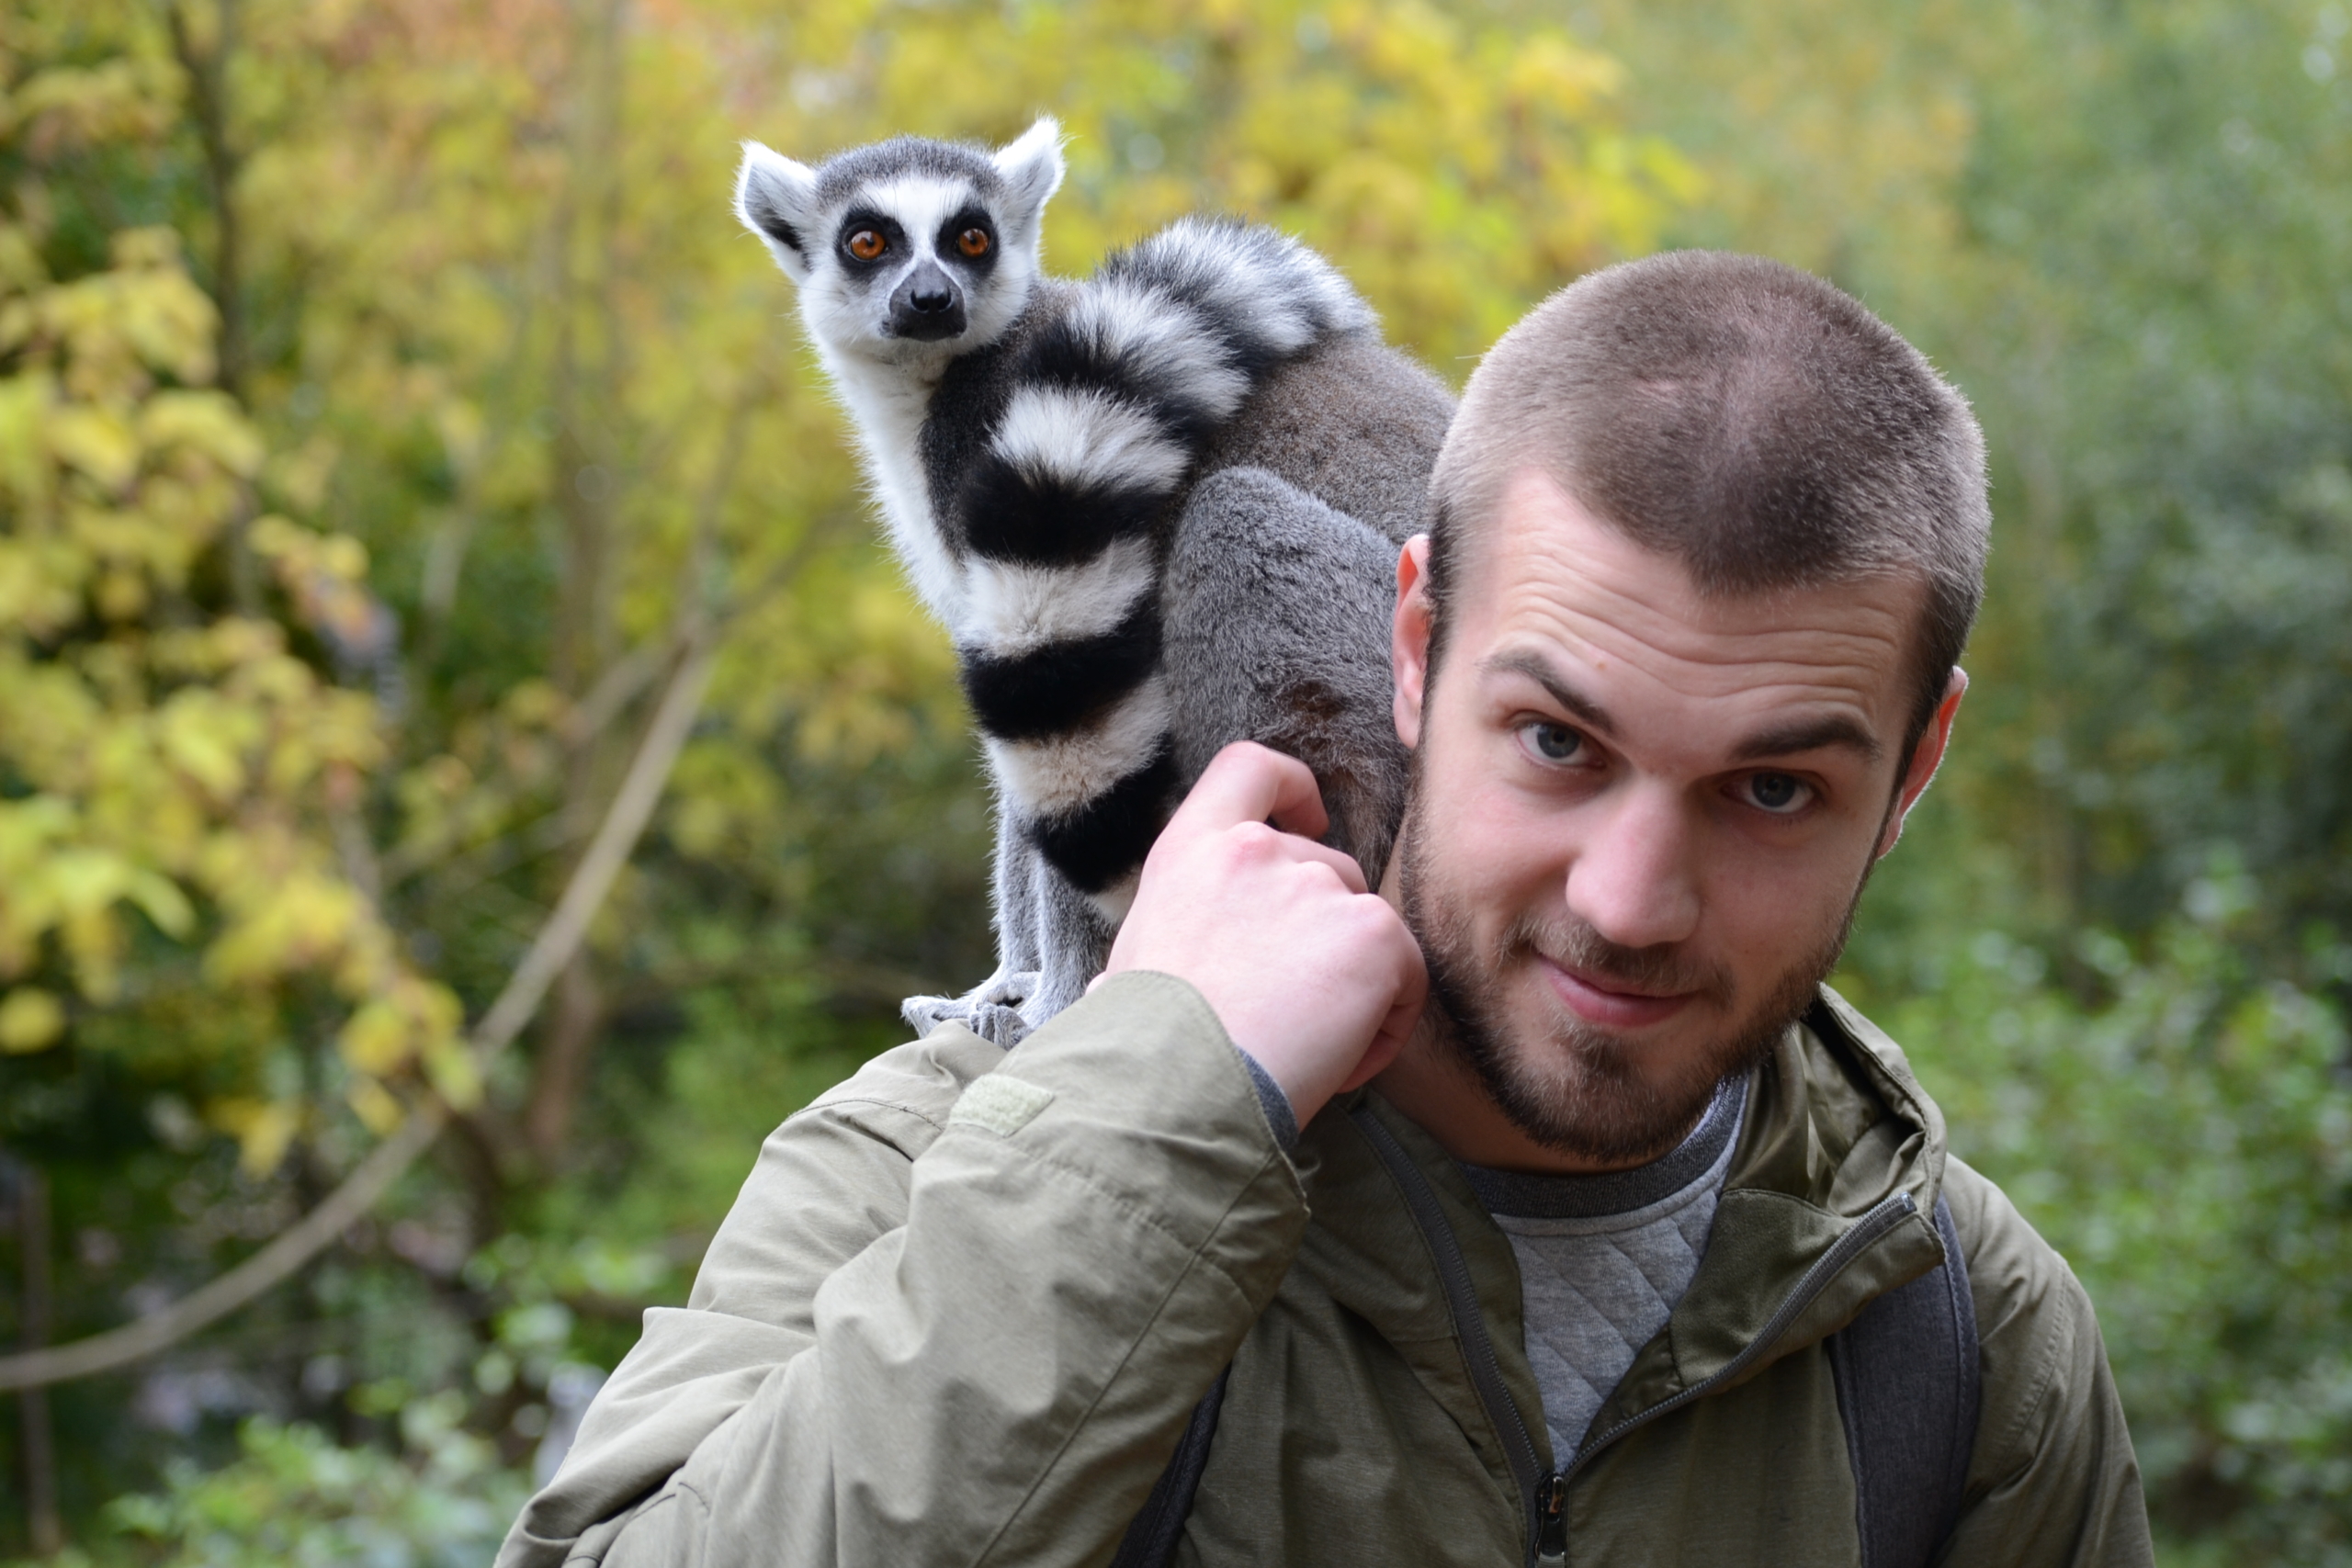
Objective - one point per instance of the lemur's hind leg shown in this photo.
(993, 1009)
(1276, 612)
(1073, 938)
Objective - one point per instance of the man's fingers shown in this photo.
(1249, 783)
(1345, 864)
(1301, 814)
(1308, 970)
(1404, 1010)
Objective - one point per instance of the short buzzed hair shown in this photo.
(1745, 418)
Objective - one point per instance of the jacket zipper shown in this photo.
(1551, 1519)
(1546, 1493)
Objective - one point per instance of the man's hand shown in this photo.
(1312, 975)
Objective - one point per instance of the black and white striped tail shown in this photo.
(1065, 517)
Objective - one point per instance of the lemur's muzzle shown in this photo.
(927, 306)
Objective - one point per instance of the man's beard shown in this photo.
(1578, 1089)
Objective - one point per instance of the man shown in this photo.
(1531, 1206)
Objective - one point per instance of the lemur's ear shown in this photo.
(776, 199)
(1031, 169)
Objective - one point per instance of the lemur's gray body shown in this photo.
(1159, 509)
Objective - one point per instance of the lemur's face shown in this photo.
(907, 251)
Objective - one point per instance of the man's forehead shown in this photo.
(1551, 581)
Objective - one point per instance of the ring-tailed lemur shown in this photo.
(1139, 503)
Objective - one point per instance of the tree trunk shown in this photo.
(563, 1059)
(587, 483)
(46, 1528)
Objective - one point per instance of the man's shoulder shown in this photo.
(2045, 1375)
(2013, 1273)
(2002, 1243)
(904, 1096)
(2044, 1363)
(835, 1175)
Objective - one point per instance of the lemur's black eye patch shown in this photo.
(865, 238)
(970, 234)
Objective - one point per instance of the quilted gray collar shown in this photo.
(1522, 1196)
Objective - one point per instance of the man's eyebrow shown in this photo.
(1582, 708)
(1810, 735)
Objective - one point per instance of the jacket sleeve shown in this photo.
(963, 1326)
(2052, 1480)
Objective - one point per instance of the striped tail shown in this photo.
(1066, 517)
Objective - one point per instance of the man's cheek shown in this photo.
(1766, 929)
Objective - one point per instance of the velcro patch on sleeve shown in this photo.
(1001, 1103)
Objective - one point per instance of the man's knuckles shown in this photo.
(1250, 844)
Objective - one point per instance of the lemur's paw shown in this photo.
(991, 1009)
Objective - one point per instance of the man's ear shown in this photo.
(1409, 637)
(776, 199)
(1926, 758)
(1031, 167)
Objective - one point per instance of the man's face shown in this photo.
(1640, 817)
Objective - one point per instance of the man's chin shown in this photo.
(1598, 1094)
(1579, 1090)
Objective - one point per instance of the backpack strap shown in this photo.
(1908, 1381)
(1150, 1540)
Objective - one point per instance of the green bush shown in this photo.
(2181, 1130)
(295, 1499)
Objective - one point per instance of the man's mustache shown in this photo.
(1666, 969)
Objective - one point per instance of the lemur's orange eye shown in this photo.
(868, 243)
(973, 242)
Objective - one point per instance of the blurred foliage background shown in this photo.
(394, 427)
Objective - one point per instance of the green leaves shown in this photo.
(294, 1497)
(2186, 1143)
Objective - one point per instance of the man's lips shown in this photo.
(1600, 1001)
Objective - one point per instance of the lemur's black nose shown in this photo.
(927, 306)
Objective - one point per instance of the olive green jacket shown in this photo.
(967, 1301)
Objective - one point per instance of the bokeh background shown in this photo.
(452, 698)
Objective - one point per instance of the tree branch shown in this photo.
(208, 78)
(286, 1252)
(632, 805)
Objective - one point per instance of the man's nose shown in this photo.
(1636, 879)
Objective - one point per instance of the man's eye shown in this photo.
(973, 242)
(1553, 742)
(1777, 793)
(868, 243)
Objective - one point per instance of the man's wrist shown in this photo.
(1280, 1118)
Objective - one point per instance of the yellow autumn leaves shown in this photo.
(1457, 165)
(172, 774)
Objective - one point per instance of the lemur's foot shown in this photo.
(991, 1009)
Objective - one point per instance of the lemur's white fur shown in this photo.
(1172, 338)
(1012, 609)
(885, 383)
(1067, 771)
(1088, 436)
(888, 413)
